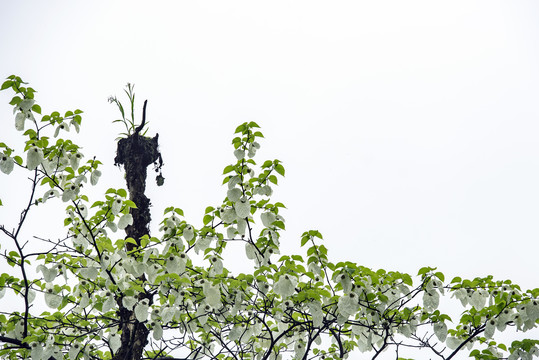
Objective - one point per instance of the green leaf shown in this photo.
(36, 108)
(16, 100)
(6, 84)
(439, 275)
(239, 129)
(207, 219)
(130, 204)
(280, 169)
(228, 169)
(18, 159)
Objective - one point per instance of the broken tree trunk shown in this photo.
(136, 153)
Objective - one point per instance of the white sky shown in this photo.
(409, 130)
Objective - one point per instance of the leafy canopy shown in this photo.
(176, 286)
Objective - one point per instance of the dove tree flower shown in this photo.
(136, 296)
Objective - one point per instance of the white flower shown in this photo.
(252, 149)
(299, 349)
(478, 299)
(48, 274)
(75, 125)
(129, 302)
(440, 330)
(109, 303)
(267, 218)
(114, 341)
(19, 121)
(532, 310)
(490, 327)
(231, 232)
(239, 154)
(234, 194)
(116, 206)
(37, 350)
(50, 194)
(202, 244)
(174, 266)
(52, 299)
(74, 160)
(285, 286)
(94, 178)
(157, 331)
(234, 180)
(152, 271)
(34, 157)
(241, 226)
(243, 208)
(228, 215)
(453, 342)
(188, 233)
(141, 310)
(431, 300)
(212, 294)
(345, 282)
(125, 220)
(83, 211)
(62, 126)
(263, 287)
(74, 351)
(6, 164)
(217, 264)
(316, 312)
(348, 305)
(250, 251)
(26, 105)
(70, 192)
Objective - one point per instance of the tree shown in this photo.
(140, 296)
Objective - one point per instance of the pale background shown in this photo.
(409, 130)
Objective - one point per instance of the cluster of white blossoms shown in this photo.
(284, 307)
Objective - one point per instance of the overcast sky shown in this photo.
(409, 130)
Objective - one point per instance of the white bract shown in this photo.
(125, 221)
(114, 341)
(348, 305)
(267, 218)
(52, 299)
(34, 157)
(94, 177)
(188, 233)
(70, 193)
(285, 286)
(440, 330)
(141, 310)
(234, 194)
(6, 164)
(212, 294)
(116, 206)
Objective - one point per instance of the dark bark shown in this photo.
(136, 153)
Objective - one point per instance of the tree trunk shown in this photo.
(135, 153)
